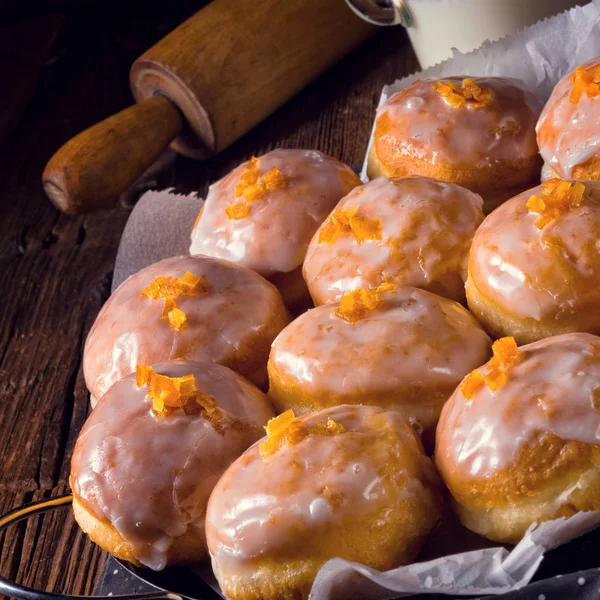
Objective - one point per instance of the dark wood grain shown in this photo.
(55, 271)
(21, 63)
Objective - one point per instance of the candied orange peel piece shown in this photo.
(347, 220)
(169, 394)
(585, 81)
(505, 354)
(143, 375)
(357, 304)
(236, 211)
(286, 430)
(470, 93)
(278, 424)
(177, 318)
(164, 287)
(557, 197)
(169, 287)
(252, 186)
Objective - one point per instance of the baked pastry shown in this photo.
(534, 267)
(405, 350)
(350, 482)
(264, 213)
(518, 442)
(568, 133)
(196, 308)
(411, 231)
(151, 452)
(477, 132)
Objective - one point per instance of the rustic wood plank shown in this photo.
(49, 552)
(21, 64)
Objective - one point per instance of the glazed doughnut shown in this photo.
(196, 308)
(151, 452)
(568, 130)
(405, 350)
(350, 482)
(478, 133)
(411, 231)
(264, 213)
(534, 267)
(519, 440)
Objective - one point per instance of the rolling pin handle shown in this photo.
(94, 168)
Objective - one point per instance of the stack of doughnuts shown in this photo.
(438, 357)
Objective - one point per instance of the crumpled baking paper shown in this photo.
(540, 55)
(490, 571)
(160, 226)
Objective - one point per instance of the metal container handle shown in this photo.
(11, 588)
(383, 12)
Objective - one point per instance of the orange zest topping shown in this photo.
(169, 287)
(248, 177)
(471, 383)
(356, 305)
(252, 186)
(348, 221)
(469, 94)
(236, 211)
(556, 198)
(274, 179)
(170, 394)
(585, 81)
(177, 318)
(164, 287)
(286, 430)
(506, 354)
(143, 375)
(278, 424)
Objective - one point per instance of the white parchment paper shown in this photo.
(160, 226)
(540, 55)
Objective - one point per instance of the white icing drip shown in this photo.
(274, 238)
(567, 132)
(423, 125)
(545, 393)
(151, 476)
(416, 342)
(314, 483)
(431, 224)
(539, 273)
(239, 309)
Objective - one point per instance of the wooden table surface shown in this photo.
(62, 73)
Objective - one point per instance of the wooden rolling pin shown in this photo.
(202, 87)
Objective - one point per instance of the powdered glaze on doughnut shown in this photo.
(568, 132)
(423, 125)
(266, 507)
(150, 476)
(417, 345)
(232, 324)
(274, 236)
(539, 273)
(554, 387)
(426, 231)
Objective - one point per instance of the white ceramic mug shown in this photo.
(436, 26)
